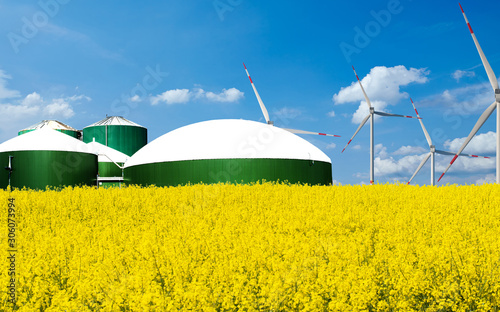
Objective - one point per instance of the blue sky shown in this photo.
(167, 64)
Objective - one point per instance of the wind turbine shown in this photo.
(266, 114)
(432, 152)
(370, 116)
(487, 113)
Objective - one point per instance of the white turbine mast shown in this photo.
(266, 114)
(432, 152)
(487, 113)
(371, 116)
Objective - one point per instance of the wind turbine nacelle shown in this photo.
(270, 122)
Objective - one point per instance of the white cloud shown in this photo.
(331, 146)
(287, 113)
(135, 99)
(490, 178)
(32, 99)
(390, 166)
(363, 111)
(6, 93)
(481, 144)
(226, 96)
(179, 96)
(59, 108)
(408, 150)
(467, 164)
(331, 114)
(18, 113)
(382, 86)
(172, 97)
(464, 101)
(381, 151)
(76, 98)
(356, 147)
(458, 74)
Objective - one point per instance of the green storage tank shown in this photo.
(110, 164)
(53, 124)
(236, 151)
(118, 133)
(46, 157)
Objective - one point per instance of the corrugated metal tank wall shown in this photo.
(126, 139)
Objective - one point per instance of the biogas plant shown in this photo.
(114, 151)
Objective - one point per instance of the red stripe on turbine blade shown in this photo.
(343, 150)
(408, 183)
(337, 136)
(487, 157)
(349, 142)
(453, 160)
(244, 65)
(371, 182)
(470, 28)
(321, 133)
(461, 7)
(441, 177)
(250, 79)
(474, 156)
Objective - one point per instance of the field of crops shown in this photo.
(255, 248)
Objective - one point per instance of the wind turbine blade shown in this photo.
(362, 89)
(262, 106)
(427, 136)
(482, 119)
(359, 128)
(487, 67)
(309, 132)
(394, 115)
(420, 167)
(462, 154)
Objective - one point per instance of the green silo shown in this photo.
(118, 133)
(53, 124)
(236, 151)
(46, 157)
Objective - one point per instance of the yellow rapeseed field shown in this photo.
(264, 247)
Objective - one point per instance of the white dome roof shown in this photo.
(102, 151)
(45, 139)
(226, 139)
(115, 121)
(53, 124)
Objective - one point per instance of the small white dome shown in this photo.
(45, 139)
(115, 121)
(227, 139)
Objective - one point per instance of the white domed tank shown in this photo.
(228, 150)
(47, 157)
